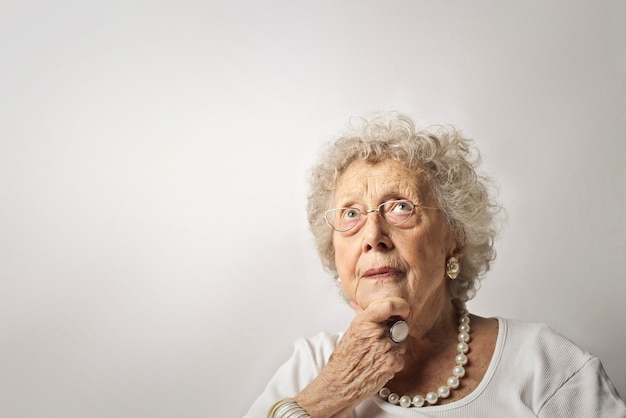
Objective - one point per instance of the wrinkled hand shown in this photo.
(363, 362)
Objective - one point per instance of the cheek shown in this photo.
(428, 256)
(345, 260)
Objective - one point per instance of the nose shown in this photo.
(375, 233)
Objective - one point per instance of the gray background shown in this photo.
(154, 253)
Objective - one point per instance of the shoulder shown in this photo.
(564, 379)
(543, 343)
(309, 356)
(549, 371)
(322, 339)
(316, 349)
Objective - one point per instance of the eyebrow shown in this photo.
(386, 197)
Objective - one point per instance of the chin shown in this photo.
(365, 300)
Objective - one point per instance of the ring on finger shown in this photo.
(399, 331)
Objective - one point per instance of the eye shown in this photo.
(350, 214)
(403, 206)
(399, 207)
(397, 212)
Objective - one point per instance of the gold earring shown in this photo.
(453, 268)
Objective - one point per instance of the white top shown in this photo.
(534, 372)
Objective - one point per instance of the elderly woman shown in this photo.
(406, 225)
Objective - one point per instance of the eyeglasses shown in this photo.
(394, 212)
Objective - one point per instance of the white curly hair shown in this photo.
(444, 158)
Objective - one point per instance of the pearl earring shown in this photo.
(339, 281)
(453, 268)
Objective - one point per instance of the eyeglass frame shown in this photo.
(377, 210)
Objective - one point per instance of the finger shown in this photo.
(357, 308)
(397, 366)
(382, 310)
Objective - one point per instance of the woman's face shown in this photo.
(380, 260)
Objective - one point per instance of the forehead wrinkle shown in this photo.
(391, 181)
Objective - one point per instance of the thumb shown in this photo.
(357, 308)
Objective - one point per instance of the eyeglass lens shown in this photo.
(395, 212)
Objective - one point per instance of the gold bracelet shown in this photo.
(287, 408)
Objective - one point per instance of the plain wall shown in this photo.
(155, 259)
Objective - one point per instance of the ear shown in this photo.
(456, 243)
(458, 252)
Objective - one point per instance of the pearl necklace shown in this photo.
(453, 381)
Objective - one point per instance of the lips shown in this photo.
(381, 273)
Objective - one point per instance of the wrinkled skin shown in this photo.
(386, 271)
(363, 362)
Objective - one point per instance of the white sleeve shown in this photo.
(306, 362)
(588, 393)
